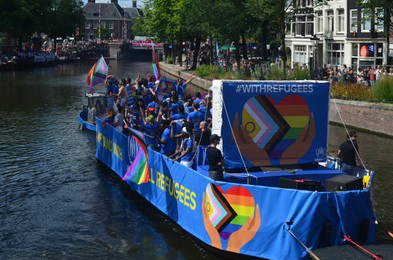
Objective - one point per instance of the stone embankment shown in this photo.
(374, 117)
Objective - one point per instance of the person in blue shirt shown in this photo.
(110, 83)
(195, 117)
(178, 120)
(174, 105)
(185, 154)
(180, 86)
(150, 126)
(168, 145)
(188, 104)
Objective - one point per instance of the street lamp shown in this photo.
(315, 41)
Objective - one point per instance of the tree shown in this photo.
(23, 18)
(278, 13)
(65, 16)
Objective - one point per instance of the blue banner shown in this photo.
(241, 218)
(274, 123)
(112, 147)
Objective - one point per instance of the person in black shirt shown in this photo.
(215, 159)
(203, 137)
(347, 154)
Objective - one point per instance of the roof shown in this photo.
(134, 13)
(110, 11)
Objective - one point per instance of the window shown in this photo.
(340, 20)
(103, 24)
(300, 54)
(310, 25)
(111, 25)
(330, 20)
(87, 25)
(354, 20)
(379, 16)
(319, 22)
(300, 26)
(366, 21)
(95, 24)
(335, 54)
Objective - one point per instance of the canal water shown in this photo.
(56, 202)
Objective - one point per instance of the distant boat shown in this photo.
(282, 196)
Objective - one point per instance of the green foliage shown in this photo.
(23, 18)
(169, 60)
(274, 72)
(104, 33)
(214, 72)
(352, 91)
(383, 89)
(299, 73)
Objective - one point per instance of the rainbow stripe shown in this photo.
(242, 201)
(166, 85)
(97, 73)
(139, 170)
(219, 210)
(155, 71)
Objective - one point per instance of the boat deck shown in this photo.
(352, 252)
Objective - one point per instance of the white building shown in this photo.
(347, 35)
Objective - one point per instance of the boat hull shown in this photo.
(247, 214)
(83, 123)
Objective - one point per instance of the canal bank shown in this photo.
(374, 117)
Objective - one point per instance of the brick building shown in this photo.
(109, 17)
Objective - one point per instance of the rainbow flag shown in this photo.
(166, 86)
(156, 63)
(97, 73)
(155, 71)
(139, 170)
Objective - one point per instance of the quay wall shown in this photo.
(373, 117)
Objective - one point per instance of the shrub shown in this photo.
(169, 60)
(352, 91)
(274, 72)
(383, 89)
(204, 71)
(299, 73)
(214, 72)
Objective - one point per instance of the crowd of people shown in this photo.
(364, 76)
(174, 122)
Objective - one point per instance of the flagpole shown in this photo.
(99, 22)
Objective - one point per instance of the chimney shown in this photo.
(92, 1)
(133, 3)
(114, 1)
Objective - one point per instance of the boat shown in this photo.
(96, 102)
(95, 108)
(282, 195)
